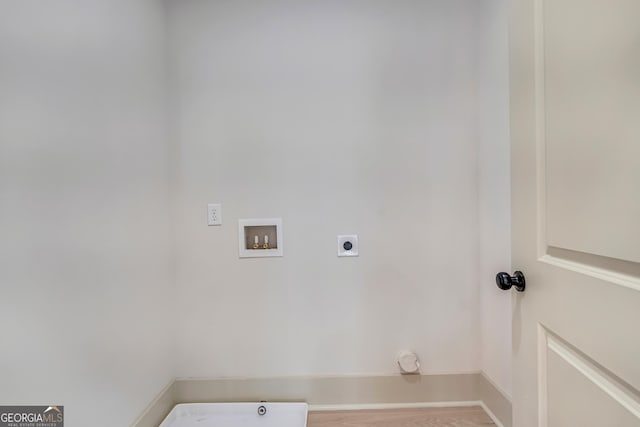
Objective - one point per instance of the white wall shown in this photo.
(340, 117)
(494, 193)
(386, 119)
(85, 267)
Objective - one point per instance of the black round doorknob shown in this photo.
(505, 281)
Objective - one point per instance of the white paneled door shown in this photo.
(575, 140)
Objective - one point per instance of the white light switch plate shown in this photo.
(214, 214)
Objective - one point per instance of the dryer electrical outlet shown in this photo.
(348, 245)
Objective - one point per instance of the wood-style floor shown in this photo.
(472, 416)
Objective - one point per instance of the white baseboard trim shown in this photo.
(493, 417)
(158, 409)
(338, 393)
(496, 386)
(374, 406)
(497, 403)
(345, 390)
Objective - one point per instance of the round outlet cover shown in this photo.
(348, 245)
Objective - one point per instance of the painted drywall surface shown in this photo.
(340, 117)
(81, 170)
(494, 194)
(84, 248)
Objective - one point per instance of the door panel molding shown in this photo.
(617, 271)
(540, 127)
(543, 387)
(622, 393)
(588, 101)
(623, 280)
